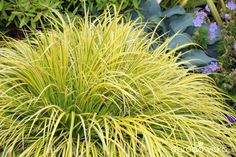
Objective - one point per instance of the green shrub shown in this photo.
(93, 89)
(101, 5)
(19, 13)
(15, 14)
(226, 79)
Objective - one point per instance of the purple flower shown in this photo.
(235, 46)
(197, 22)
(206, 70)
(231, 5)
(214, 65)
(231, 119)
(226, 16)
(212, 28)
(212, 35)
(207, 8)
(200, 16)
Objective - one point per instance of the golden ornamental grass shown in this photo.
(93, 89)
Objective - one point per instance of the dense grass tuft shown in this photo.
(94, 89)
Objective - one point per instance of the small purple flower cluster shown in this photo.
(226, 16)
(207, 8)
(200, 16)
(213, 66)
(231, 119)
(231, 5)
(212, 29)
(198, 21)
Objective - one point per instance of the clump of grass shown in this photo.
(92, 88)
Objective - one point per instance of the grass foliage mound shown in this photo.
(92, 88)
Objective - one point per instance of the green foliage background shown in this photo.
(15, 14)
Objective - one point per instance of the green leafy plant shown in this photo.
(20, 13)
(223, 50)
(172, 21)
(94, 89)
(226, 79)
(97, 7)
(201, 37)
(191, 4)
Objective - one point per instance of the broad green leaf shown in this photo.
(150, 9)
(211, 50)
(27, 19)
(37, 17)
(190, 30)
(182, 22)
(22, 22)
(33, 24)
(136, 3)
(154, 19)
(197, 57)
(180, 39)
(11, 17)
(173, 11)
(17, 13)
(30, 14)
(1, 4)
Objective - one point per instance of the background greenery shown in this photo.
(15, 14)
